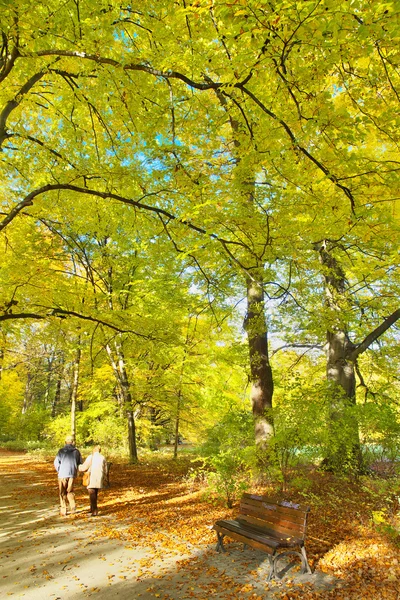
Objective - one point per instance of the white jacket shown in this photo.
(96, 464)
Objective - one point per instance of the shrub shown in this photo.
(228, 456)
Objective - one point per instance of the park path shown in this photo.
(44, 556)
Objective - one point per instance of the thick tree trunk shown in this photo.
(345, 447)
(260, 369)
(339, 368)
(255, 322)
(342, 355)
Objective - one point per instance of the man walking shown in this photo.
(66, 464)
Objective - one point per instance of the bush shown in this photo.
(380, 431)
(14, 445)
(299, 423)
(228, 456)
(33, 447)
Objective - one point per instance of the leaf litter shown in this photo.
(152, 509)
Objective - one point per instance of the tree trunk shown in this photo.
(255, 322)
(339, 368)
(345, 448)
(133, 456)
(74, 389)
(57, 396)
(127, 395)
(121, 375)
(260, 369)
(118, 388)
(1, 361)
(119, 399)
(179, 396)
(342, 355)
(27, 393)
(49, 380)
(177, 423)
(345, 444)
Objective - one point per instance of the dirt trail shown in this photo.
(43, 555)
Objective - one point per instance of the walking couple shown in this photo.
(67, 464)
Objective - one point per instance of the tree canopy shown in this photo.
(174, 170)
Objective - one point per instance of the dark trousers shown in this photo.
(93, 493)
(66, 489)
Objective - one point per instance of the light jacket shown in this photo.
(67, 460)
(96, 464)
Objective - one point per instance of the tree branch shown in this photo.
(308, 346)
(207, 85)
(301, 149)
(42, 144)
(102, 60)
(12, 104)
(374, 335)
(28, 201)
(8, 61)
(60, 312)
(9, 316)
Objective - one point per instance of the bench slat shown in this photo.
(232, 529)
(290, 514)
(267, 537)
(271, 514)
(281, 529)
(283, 539)
(235, 527)
(273, 521)
(262, 525)
(281, 505)
(245, 540)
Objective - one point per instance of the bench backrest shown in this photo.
(262, 513)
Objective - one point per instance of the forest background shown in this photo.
(200, 230)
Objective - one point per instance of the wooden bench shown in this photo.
(269, 526)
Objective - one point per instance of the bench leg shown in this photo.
(220, 545)
(272, 572)
(304, 562)
(305, 567)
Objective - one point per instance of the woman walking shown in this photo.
(96, 466)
